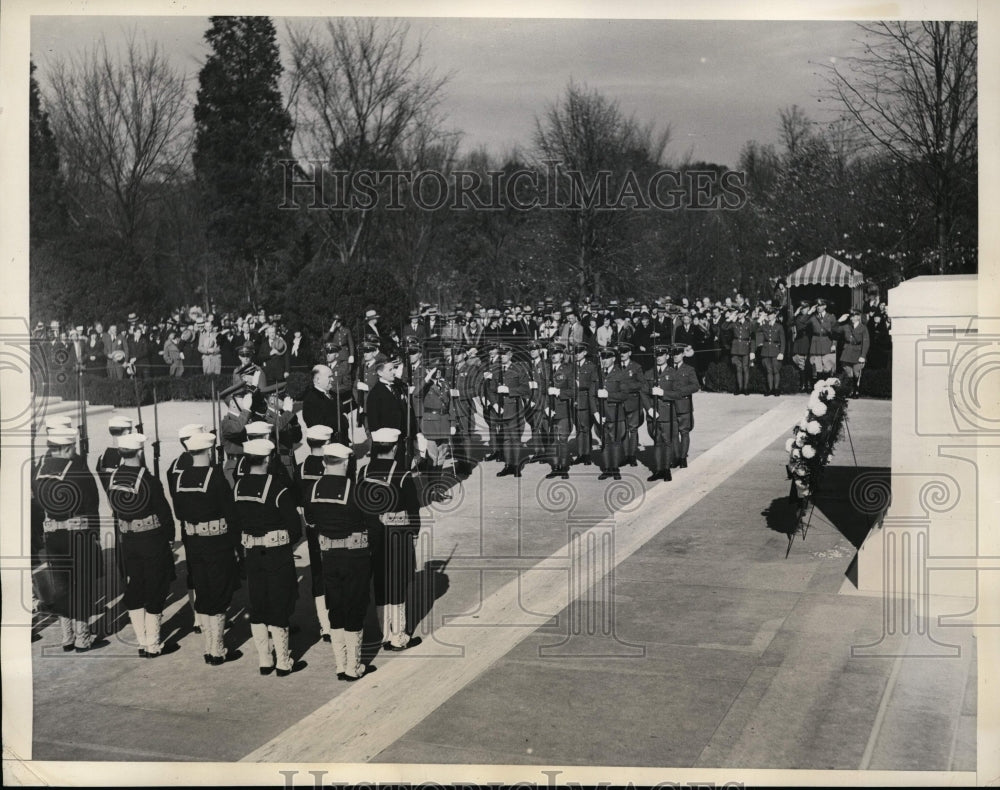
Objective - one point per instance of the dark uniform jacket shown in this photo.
(65, 488)
(387, 408)
(771, 339)
(320, 409)
(618, 384)
(515, 377)
(585, 381)
(539, 372)
(263, 505)
(109, 461)
(134, 493)
(741, 336)
(438, 416)
(800, 329)
(821, 332)
(202, 494)
(330, 503)
(384, 486)
(636, 383)
(561, 378)
(856, 343)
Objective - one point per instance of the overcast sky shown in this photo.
(717, 84)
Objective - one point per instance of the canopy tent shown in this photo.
(827, 277)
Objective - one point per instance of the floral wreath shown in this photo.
(813, 438)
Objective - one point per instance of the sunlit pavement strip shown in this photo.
(372, 714)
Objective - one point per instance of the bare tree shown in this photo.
(120, 119)
(914, 93)
(360, 101)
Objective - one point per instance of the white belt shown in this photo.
(206, 528)
(395, 519)
(276, 537)
(140, 524)
(51, 524)
(356, 540)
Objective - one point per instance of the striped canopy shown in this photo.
(825, 270)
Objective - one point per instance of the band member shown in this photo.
(560, 409)
(771, 344)
(614, 386)
(539, 376)
(822, 345)
(631, 404)
(741, 332)
(65, 499)
(854, 352)
(146, 526)
(388, 490)
(508, 392)
(585, 380)
(661, 413)
(203, 503)
(330, 502)
(311, 468)
(270, 525)
(678, 388)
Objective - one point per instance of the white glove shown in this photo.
(496, 407)
(286, 374)
(362, 386)
(453, 430)
(554, 391)
(861, 360)
(430, 374)
(182, 355)
(533, 385)
(752, 356)
(421, 443)
(287, 404)
(453, 393)
(350, 359)
(688, 351)
(658, 391)
(549, 413)
(833, 348)
(843, 318)
(245, 401)
(503, 389)
(487, 375)
(412, 389)
(602, 393)
(780, 357)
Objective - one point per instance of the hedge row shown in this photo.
(720, 377)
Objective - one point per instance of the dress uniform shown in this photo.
(437, 423)
(233, 434)
(585, 382)
(490, 406)
(367, 378)
(179, 464)
(467, 384)
(632, 404)
(388, 491)
(561, 409)
(662, 413)
(800, 344)
(330, 503)
(679, 387)
(64, 493)
(146, 525)
(614, 386)
(822, 345)
(340, 335)
(270, 525)
(111, 458)
(854, 352)
(340, 387)
(311, 468)
(771, 343)
(508, 393)
(740, 349)
(539, 378)
(203, 503)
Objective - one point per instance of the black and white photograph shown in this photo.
(541, 394)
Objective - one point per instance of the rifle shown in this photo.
(156, 436)
(216, 449)
(84, 438)
(408, 442)
(138, 404)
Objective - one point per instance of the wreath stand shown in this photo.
(805, 505)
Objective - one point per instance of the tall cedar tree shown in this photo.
(242, 130)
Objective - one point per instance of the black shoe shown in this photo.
(507, 470)
(214, 661)
(208, 657)
(197, 629)
(631, 462)
(517, 471)
(296, 666)
(675, 464)
(666, 476)
(327, 638)
(369, 669)
(556, 472)
(565, 473)
(71, 647)
(266, 670)
(414, 641)
(654, 477)
(97, 643)
(604, 475)
(616, 475)
(142, 652)
(683, 463)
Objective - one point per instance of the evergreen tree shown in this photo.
(242, 130)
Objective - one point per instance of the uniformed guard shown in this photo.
(366, 379)
(822, 344)
(585, 380)
(771, 344)
(490, 405)
(509, 390)
(438, 424)
(800, 344)
(203, 503)
(311, 468)
(679, 387)
(740, 349)
(110, 459)
(661, 413)
(340, 388)
(463, 408)
(539, 377)
(233, 430)
(270, 525)
(387, 489)
(65, 493)
(614, 386)
(631, 404)
(179, 464)
(146, 525)
(560, 409)
(330, 502)
(854, 352)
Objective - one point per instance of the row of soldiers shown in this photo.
(360, 526)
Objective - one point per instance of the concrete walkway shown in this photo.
(575, 623)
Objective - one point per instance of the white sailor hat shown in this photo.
(259, 447)
(131, 441)
(190, 430)
(336, 450)
(386, 435)
(120, 422)
(258, 428)
(200, 441)
(57, 421)
(319, 433)
(61, 436)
